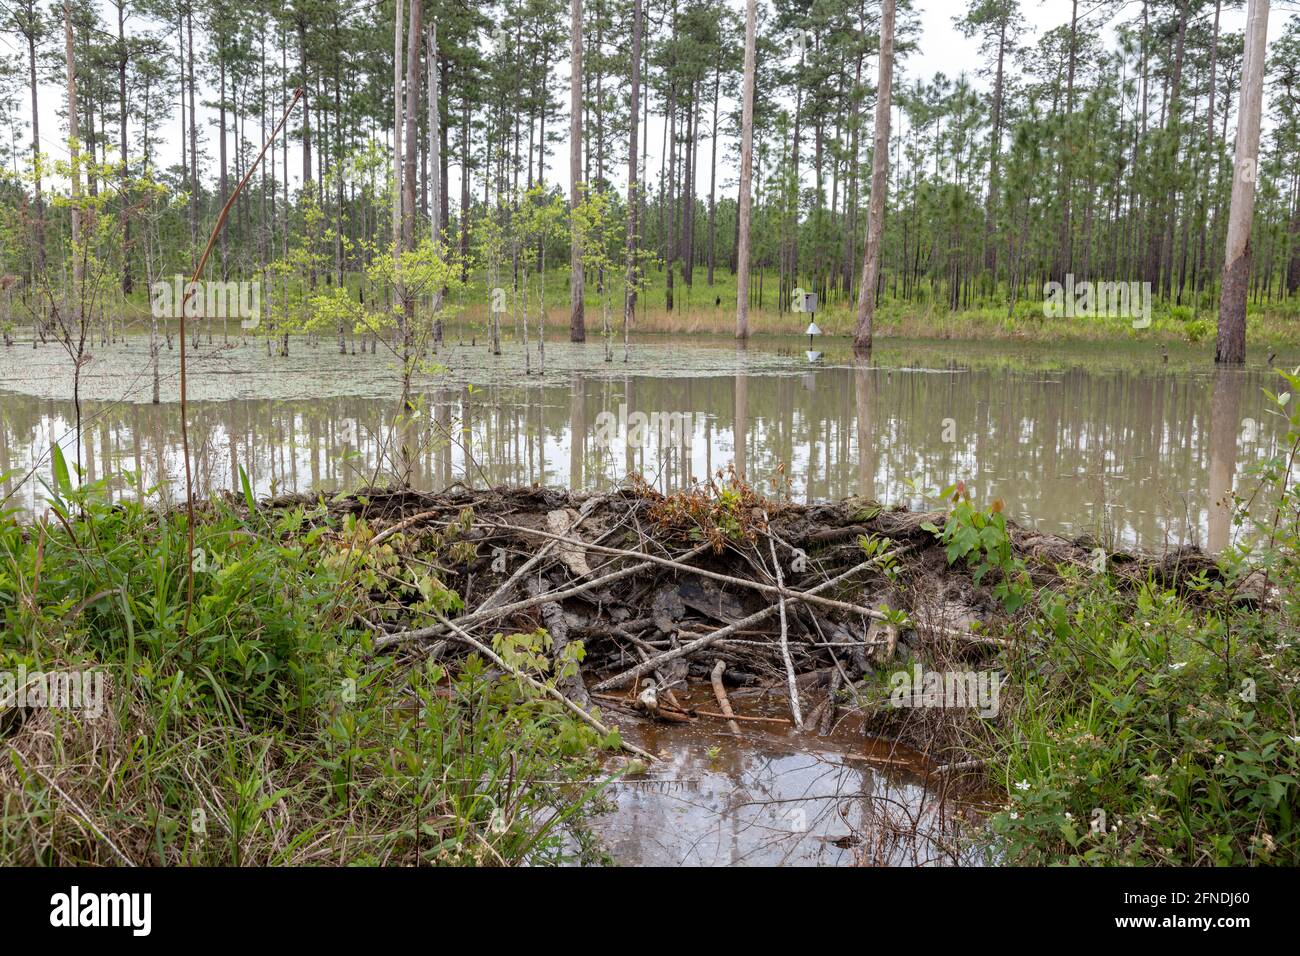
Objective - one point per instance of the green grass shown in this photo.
(267, 733)
(701, 308)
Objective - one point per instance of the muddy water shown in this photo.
(774, 797)
(1122, 442)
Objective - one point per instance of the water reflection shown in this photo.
(1140, 455)
(779, 798)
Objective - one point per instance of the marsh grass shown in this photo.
(711, 309)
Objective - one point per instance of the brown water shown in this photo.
(1118, 441)
(776, 797)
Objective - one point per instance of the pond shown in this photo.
(1126, 442)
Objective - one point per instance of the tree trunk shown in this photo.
(746, 177)
(633, 187)
(1231, 345)
(577, 320)
(435, 159)
(306, 109)
(122, 60)
(713, 174)
(74, 148)
(397, 129)
(194, 142)
(36, 155)
(879, 179)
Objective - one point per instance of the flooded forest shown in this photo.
(608, 433)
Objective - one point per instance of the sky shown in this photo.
(942, 48)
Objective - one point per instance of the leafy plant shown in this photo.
(980, 538)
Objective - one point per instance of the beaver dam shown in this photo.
(817, 676)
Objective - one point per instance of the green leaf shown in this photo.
(248, 489)
(61, 480)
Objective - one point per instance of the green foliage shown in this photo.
(268, 719)
(1148, 731)
(979, 537)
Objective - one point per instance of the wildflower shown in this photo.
(1022, 785)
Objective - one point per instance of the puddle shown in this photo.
(777, 797)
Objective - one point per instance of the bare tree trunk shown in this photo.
(36, 157)
(122, 60)
(397, 128)
(435, 159)
(410, 138)
(306, 110)
(435, 163)
(1231, 344)
(194, 142)
(879, 179)
(746, 176)
(577, 319)
(713, 172)
(74, 148)
(1202, 266)
(398, 55)
(633, 199)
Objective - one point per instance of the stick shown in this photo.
(406, 523)
(632, 673)
(73, 803)
(809, 596)
(720, 692)
(785, 639)
(587, 508)
(487, 614)
(545, 689)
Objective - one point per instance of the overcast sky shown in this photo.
(942, 49)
